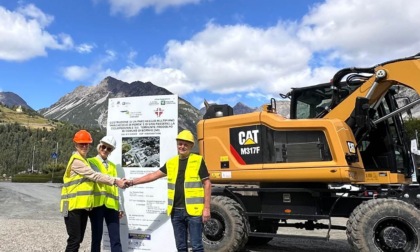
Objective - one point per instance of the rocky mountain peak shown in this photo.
(241, 108)
(11, 99)
(88, 105)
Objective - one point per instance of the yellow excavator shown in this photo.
(270, 172)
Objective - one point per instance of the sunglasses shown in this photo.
(109, 149)
(83, 144)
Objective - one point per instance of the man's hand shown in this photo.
(120, 214)
(128, 183)
(121, 183)
(206, 214)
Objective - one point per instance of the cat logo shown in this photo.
(248, 137)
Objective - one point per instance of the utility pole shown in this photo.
(56, 159)
(33, 158)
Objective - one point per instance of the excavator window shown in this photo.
(296, 146)
(384, 147)
(309, 102)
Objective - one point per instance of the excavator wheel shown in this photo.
(227, 229)
(384, 225)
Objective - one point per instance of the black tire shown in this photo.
(227, 230)
(384, 225)
(266, 226)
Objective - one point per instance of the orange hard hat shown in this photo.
(82, 136)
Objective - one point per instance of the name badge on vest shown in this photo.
(65, 212)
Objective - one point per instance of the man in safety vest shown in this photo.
(189, 192)
(77, 194)
(106, 200)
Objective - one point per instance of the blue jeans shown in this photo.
(183, 224)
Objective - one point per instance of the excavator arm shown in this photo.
(404, 72)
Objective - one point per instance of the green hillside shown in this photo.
(25, 117)
(29, 140)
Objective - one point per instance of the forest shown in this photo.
(41, 150)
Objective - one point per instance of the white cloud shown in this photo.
(267, 61)
(237, 58)
(225, 59)
(131, 8)
(85, 48)
(229, 60)
(132, 56)
(363, 32)
(23, 35)
(255, 63)
(32, 12)
(76, 73)
(93, 71)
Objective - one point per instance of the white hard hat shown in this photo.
(109, 140)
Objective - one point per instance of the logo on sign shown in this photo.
(248, 138)
(159, 112)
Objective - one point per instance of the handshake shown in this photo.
(123, 183)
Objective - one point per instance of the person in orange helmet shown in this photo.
(77, 194)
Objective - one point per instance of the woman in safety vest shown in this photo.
(106, 200)
(77, 194)
(189, 192)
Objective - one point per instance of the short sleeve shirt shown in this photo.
(179, 200)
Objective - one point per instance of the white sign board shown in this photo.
(145, 128)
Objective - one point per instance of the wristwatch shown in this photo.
(115, 182)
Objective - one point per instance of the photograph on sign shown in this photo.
(140, 152)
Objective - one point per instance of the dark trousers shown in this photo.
(97, 217)
(76, 226)
(183, 224)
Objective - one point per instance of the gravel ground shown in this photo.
(30, 218)
(30, 221)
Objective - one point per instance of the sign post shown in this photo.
(54, 155)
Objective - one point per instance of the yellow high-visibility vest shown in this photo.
(105, 194)
(77, 190)
(193, 187)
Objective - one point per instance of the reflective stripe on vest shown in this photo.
(193, 187)
(105, 194)
(77, 190)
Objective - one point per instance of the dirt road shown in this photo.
(31, 221)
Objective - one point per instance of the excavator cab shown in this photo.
(310, 102)
(384, 145)
(381, 139)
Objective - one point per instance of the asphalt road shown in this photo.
(30, 218)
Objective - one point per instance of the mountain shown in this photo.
(13, 109)
(88, 106)
(283, 108)
(11, 99)
(241, 108)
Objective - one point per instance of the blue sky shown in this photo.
(225, 51)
